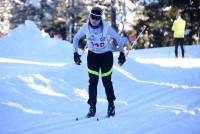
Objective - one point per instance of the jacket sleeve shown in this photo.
(78, 36)
(121, 41)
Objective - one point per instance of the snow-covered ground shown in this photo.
(42, 91)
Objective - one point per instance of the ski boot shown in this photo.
(92, 112)
(111, 109)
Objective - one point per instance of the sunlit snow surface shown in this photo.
(42, 91)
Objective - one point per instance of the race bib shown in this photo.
(97, 42)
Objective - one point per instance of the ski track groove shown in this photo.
(48, 127)
(143, 102)
(66, 125)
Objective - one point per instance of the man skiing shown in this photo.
(99, 35)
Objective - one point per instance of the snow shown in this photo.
(43, 91)
(35, 3)
(171, 62)
(19, 2)
(10, 60)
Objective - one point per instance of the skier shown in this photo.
(99, 35)
(178, 28)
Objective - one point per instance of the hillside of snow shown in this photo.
(42, 91)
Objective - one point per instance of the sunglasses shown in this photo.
(95, 17)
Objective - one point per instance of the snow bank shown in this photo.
(22, 42)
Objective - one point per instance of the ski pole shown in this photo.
(133, 43)
(85, 47)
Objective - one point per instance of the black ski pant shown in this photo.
(177, 42)
(100, 63)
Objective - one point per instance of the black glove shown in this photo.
(121, 59)
(77, 59)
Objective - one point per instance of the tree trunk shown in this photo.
(113, 15)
